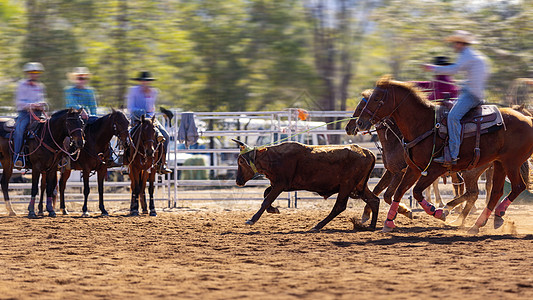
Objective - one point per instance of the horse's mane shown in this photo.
(59, 114)
(387, 80)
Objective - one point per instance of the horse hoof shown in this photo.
(388, 226)
(153, 213)
(498, 222)
(446, 210)
(473, 230)
(439, 214)
(145, 212)
(134, 213)
(12, 213)
(314, 229)
(64, 212)
(32, 215)
(41, 214)
(105, 214)
(410, 215)
(249, 222)
(85, 214)
(52, 214)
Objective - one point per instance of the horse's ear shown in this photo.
(153, 118)
(366, 93)
(113, 110)
(142, 118)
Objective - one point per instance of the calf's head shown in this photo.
(246, 164)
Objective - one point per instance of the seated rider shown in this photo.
(474, 65)
(81, 95)
(30, 103)
(141, 101)
(443, 86)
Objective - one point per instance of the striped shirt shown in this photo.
(28, 94)
(474, 65)
(81, 98)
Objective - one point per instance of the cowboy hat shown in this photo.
(78, 72)
(462, 36)
(144, 76)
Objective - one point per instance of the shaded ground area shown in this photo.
(211, 254)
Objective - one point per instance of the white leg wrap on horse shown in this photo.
(482, 220)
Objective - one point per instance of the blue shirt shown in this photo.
(81, 98)
(28, 94)
(474, 65)
(140, 103)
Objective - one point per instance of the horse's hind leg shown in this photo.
(51, 184)
(517, 187)
(135, 190)
(142, 193)
(151, 185)
(471, 178)
(86, 191)
(498, 181)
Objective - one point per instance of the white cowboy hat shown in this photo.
(462, 36)
(78, 71)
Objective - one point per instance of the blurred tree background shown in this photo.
(232, 55)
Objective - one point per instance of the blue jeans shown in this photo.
(465, 102)
(22, 122)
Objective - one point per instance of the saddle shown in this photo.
(479, 120)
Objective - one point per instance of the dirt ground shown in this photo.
(205, 251)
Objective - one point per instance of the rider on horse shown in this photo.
(141, 101)
(30, 103)
(474, 65)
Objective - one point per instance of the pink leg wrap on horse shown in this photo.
(482, 220)
(430, 209)
(393, 210)
(500, 210)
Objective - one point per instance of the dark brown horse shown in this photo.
(416, 118)
(94, 155)
(142, 156)
(45, 149)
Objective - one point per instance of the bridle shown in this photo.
(137, 145)
(374, 119)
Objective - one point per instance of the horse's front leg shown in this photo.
(65, 174)
(41, 196)
(421, 185)
(86, 190)
(34, 189)
(135, 190)
(409, 178)
(142, 195)
(51, 184)
(101, 176)
(151, 185)
(7, 165)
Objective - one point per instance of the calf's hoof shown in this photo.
(249, 222)
(498, 222)
(272, 210)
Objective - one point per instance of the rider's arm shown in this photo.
(70, 100)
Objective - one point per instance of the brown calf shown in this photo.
(326, 170)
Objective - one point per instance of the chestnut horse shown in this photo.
(142, 156)
(415, 116)
(94, 155)
(45, 150)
